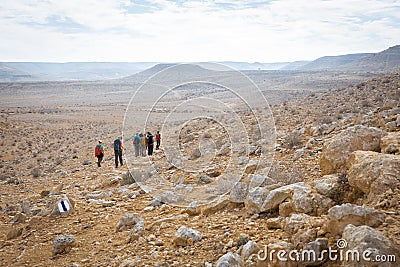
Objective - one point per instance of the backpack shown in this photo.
(150, 140)
(97, 150)
(136, 140)
(117, 145)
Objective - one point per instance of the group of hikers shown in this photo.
(141, 143)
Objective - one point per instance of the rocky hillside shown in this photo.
(334, 183)
(387, 60)
(333, 62)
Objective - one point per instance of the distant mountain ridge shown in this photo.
(385, 61)
(11, 71)
(333, 62)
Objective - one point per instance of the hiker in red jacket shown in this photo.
(158, 140)
(99, 153)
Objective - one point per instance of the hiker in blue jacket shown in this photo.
(137, 144)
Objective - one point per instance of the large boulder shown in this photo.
(326, 184)
(370, 243)
(337, 151)
(239, 192)
(255, 199)
(341, 215)
(390, 144)
(300, 196)
(377, 176)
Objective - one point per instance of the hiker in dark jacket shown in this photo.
(150, 144)
(99, 153)
(118, 147)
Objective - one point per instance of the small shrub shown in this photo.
(326, 120)
(294, 139)
(36, 172)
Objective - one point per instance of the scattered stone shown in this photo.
(398, 120)
(193, 209)
(204, 179)
(251, 167)
(336, 152)
(195, 154)
(377, 176)
(148, 208)
(239, 192)
(99, 195)
(230, 260)
(340, 216)
(390, 144)
(300, 152)
(243, 239)
(286, 209)
(127, 178)
(170, 197)
(156, 203)
(14, 180)
(325, 185)
(130, 221)
(225, 149)
(14, 233)
(242, 160)
(391, 126)
(63, 243)
(303, 237)
(274, 223)
(19, 218)
(187, 236)
(296, 222)
(57, 189)
(107, 204)
(249, 249)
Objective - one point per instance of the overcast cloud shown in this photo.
(159, 30)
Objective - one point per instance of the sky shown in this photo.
(194, 30)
